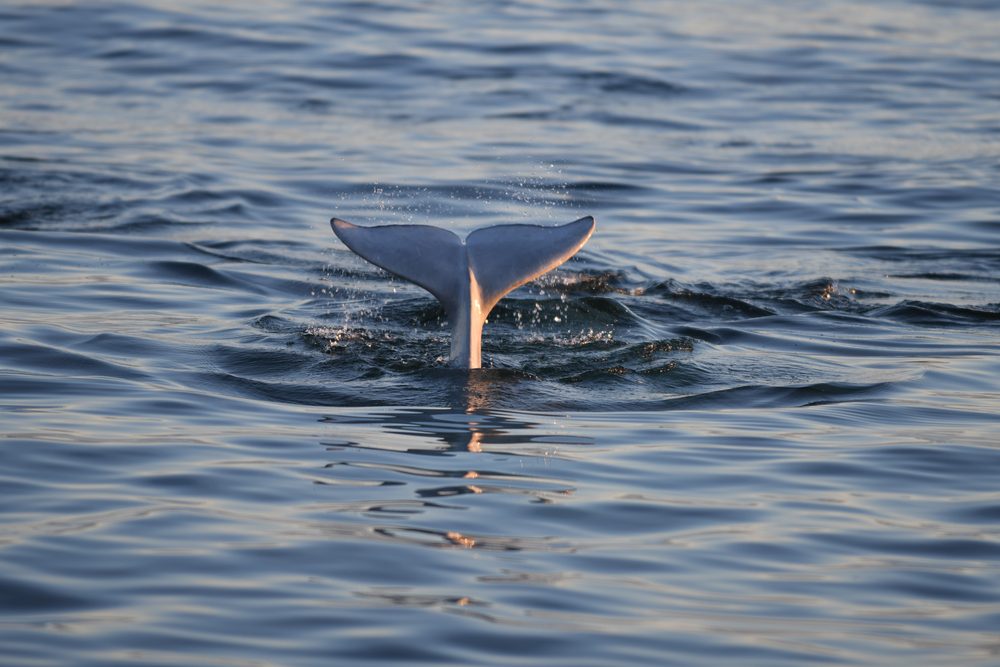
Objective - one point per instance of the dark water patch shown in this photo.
(381, 61)
(254, 198)
(938, 314)
(879, 220)
(617, 82)
(282, 252)
(605, 187)
(600, 359)
(630, 515)
(131, 53)
(40, 215)
(944, 463)
(284, 392)
(36, 357)
(262, 362)
(9, 41)
(823, 393)
(537, 114)
(940, 586)
(224, 482)
(365, 24)
(194, 274)
(959, 549)
(533, 48)
(972, 258)
(705, 303)
(316, 105)
(121, 345)
(61, 199)
(663, 165)
(26, 597)
(46, 389)
(212, 38)
(779, 176)
(72, 243)
(646, 122)
(471, 72)
(985, 512)
(945, 197)
(932, 275)
(318, 82)
(831, 470)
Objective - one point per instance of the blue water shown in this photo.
(754, 422)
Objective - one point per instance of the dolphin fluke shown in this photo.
(469, 277)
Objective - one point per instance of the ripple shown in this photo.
(939, 314)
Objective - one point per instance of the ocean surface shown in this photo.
(756, 421)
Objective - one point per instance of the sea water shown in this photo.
(753, 422)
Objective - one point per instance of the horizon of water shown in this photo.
(754, 421)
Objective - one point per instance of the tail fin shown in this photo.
(467, 278)
(425, 255)
(507, 256)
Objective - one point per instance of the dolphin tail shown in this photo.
(467, 278)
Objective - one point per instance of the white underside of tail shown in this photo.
(468, 277)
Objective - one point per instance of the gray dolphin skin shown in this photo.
(468, 277)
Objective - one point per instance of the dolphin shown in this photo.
(468, 277)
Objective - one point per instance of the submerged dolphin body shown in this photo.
(468, 277)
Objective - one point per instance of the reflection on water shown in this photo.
(479, 389)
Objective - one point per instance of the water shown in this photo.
(754, 422)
